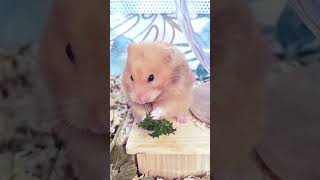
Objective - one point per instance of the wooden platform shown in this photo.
(187, 152)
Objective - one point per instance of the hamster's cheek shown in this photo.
(126, 86)
(153, 94)
(133, 97)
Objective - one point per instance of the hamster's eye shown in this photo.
(70, 54)
(150, 78)
(131, 78)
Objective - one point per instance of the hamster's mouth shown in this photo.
(138, 102)
(148, 102)
(145, 103)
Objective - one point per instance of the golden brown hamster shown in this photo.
(158, 73)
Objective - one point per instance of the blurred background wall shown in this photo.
(21, 21)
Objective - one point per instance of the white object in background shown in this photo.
(187, 29)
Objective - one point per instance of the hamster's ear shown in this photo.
(170, 54)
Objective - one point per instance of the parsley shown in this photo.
(157, 126)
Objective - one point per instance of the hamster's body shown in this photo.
(158, 73)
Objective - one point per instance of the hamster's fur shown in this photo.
(158, 73)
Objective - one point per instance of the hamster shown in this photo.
(157, 73)
(72, 60)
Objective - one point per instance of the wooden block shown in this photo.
(173, 165)
(187, 152)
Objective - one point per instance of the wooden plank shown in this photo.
(173, 165)
(188, 139)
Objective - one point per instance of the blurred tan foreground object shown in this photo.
(185, 153)
(201, 105)
(291, 145)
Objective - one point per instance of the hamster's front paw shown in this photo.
(156, 113)
(181, 119)
(140, 117)
(138, 112)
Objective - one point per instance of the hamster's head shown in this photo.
(148, 72)
(73, 59)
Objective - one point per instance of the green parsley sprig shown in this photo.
(157, 126)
